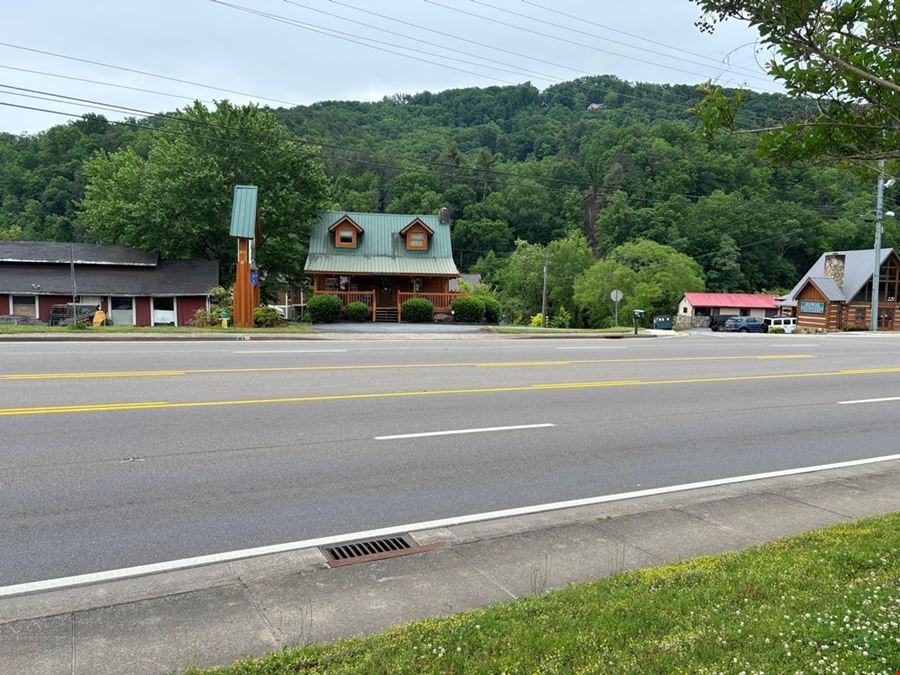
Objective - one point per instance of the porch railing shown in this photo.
(441, 301)
(365, 297)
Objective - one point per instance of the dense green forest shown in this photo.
(519, 168)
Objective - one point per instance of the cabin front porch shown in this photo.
(385, 295)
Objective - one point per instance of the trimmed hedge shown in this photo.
(324, 308)
(418, 310)
(468, 309)
(266, 317)
(491, 309)
(357, 311)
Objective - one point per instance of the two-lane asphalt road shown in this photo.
(130, 453)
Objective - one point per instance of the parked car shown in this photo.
(788, 323)
(745, 324)
(20, 320)
(717, 321)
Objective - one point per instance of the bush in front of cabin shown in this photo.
(418, 310)
(324, 308)
(776, 329)
(266, 317)
(468, 309)
(357, 311)
(491, 309)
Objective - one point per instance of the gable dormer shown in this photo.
(417, 235)
(346, 232)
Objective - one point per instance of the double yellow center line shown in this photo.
(156, 405)
(9, 377)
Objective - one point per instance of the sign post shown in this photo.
(616, 296)
(245, 228)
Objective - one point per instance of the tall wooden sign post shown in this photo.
(245, 228)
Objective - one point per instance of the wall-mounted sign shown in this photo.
(812, 307)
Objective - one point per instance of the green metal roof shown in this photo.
(380, 248)
(243, 212)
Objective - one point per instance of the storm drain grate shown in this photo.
(367, 550)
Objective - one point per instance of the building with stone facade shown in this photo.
(836, 292)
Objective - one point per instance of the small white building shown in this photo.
(696, 308)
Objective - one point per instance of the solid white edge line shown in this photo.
(453, 432)
(288, 351)
(869, 400)
(184, 563)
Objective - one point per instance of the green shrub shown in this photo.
(776, 329)
(357, 311)
(266, 317)
(537, 321)
(491, 309)
(562, 319)
(418, 310)
(468, 309)
(324, 308)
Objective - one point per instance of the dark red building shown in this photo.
(134, 287)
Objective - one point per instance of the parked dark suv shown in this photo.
(746, 324)
(717, 321)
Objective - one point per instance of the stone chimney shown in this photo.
(444, 215)
(834, 268)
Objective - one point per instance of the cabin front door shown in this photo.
(886, 319)
(385, 291)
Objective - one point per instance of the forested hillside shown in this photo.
(516, 164)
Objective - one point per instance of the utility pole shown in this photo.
(72, 272)
(544, 295)
(879, 215)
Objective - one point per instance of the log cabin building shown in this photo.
(382, 260)
(836, 292)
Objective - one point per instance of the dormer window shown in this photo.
(417, 234)
(346, 237)
(346, 233)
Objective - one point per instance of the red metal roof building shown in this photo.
(696, 308)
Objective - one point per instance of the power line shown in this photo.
(102, 83)
(634, 35)
(515, 69)
(561, 39)
(618, 42)
(460, 38)
(340, 35)
(144, 72)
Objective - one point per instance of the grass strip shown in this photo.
(589, 331)
(827, 601)
(292, 328)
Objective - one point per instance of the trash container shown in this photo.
(663, 322)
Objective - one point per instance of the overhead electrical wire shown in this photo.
(102, 83)
(564, 40)
(573, 69)
(144, 72)
(508, 67)
(340, 35)
(727, 67)
(613, 29)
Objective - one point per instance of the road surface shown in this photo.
(130, 453)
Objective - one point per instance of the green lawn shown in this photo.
(529, 329)
(290, 328)
(828, 601)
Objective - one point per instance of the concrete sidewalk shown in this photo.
(215, 614)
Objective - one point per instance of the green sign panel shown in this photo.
(811, 307)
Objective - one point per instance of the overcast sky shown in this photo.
(213, 44)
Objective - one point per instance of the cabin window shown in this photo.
(24, 305)
(345, 237)
(417, 285)
(860, 315)
(416, 241)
